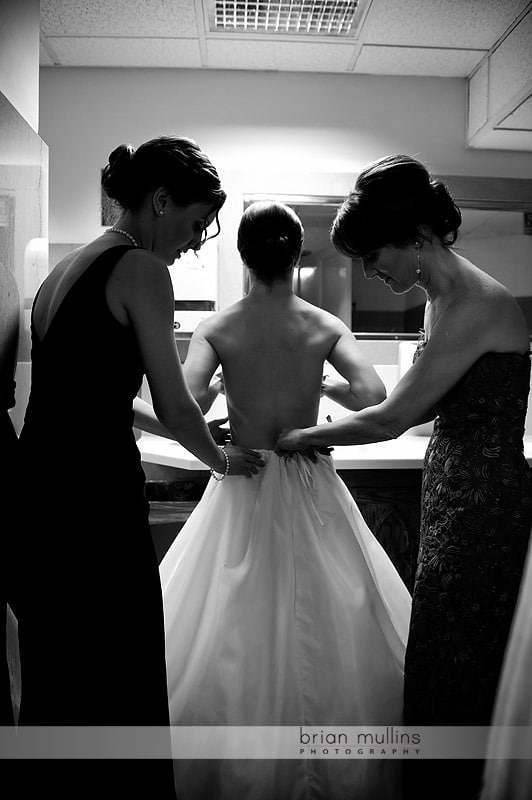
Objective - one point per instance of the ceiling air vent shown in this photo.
(307, 17)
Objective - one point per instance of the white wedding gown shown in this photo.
(282, 609)
(508, 766)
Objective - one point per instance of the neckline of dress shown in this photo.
(424, 341)
(71, 288)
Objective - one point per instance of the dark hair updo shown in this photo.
(174, 162)
(270, 238)
(392, 199)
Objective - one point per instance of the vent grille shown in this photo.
(306, 17)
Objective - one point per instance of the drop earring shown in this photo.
(418, 261)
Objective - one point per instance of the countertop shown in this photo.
(405, 452)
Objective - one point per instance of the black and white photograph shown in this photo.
(265, 416)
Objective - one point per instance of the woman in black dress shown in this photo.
(90, 616)
(471, 374)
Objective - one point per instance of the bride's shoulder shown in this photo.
(323, 320)
(219, 322)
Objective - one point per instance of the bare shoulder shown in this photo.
(141, 264)
(140, 278)
(220, 322)
(486, 315)
(321, 319)
(501, 316)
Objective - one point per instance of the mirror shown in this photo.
(496, 235)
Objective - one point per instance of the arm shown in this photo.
(429, 416)
(146, 419)
(364, 387)
(145, 290)
(456, 342)
(199, 367)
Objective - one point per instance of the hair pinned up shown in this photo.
(177, 163)
(392, 199)
(270, 238)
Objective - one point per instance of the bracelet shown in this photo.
(220, 476)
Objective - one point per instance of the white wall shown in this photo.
(19, 56)
(508, 259)
(265, 132)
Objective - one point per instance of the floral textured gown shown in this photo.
(476, 519)
(475, 526)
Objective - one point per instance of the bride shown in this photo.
(281, 608)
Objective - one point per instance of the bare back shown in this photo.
(272, 357)
(272, 350)
(61, 279)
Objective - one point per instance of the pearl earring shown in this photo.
(161, 213)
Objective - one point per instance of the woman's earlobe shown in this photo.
(160, 199)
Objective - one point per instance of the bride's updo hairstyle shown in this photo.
(177, 163)
(392, 199)
(270, 238)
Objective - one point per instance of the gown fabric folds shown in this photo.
(282, 609)
(507, 777)
(475, 526)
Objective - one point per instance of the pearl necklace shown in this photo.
(124, 233)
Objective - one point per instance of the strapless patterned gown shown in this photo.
(475, 527)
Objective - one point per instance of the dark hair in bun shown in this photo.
(392, 199)
(174, 162)
(270, 238)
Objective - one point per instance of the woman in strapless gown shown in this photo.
(471, 373)
(281, 608)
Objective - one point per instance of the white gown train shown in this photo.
(281, 608)
(505, 776)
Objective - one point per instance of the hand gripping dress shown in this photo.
(282, 609)
(91, 624)
(475, 527)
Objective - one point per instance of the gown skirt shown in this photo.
(506, 776)
(282, 609)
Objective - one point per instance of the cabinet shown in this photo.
(390, 502)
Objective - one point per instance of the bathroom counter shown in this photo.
(405, 452)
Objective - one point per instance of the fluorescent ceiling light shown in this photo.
(306, 17)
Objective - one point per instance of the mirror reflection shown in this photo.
(499, 241)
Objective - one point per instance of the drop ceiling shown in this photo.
(486, 42)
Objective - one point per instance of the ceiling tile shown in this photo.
(478, 99)
(274, 55)
(433, 61)
(440, 23)
(520, 119)
(44, 58)
(107, 52)
(511, 66)
(136, 18)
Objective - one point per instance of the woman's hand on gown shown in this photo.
(295, 440)
(220, 435)
(243, 461)
(291, 440)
